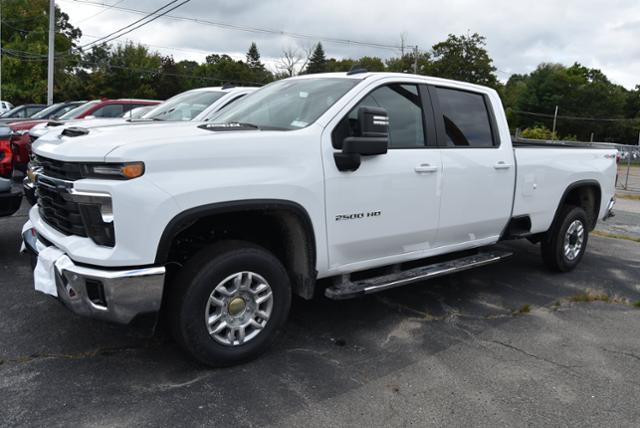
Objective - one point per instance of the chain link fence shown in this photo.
(628, 160)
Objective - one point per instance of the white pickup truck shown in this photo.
(342, 184)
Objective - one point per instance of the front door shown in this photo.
(387, 208)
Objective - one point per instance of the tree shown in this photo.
(291, 62)
(317, 61)
(253, 58)
(259, 71)
(464, 58)
(25, 46)
(584, 96)
(406, 63)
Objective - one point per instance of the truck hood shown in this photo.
(97, 142)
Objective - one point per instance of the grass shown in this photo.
(590, 296)
(615, 235)
(524, 309)
(628, 196)
(636, 304)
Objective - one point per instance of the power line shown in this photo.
(100, 13)
(254, 29)
(114, 35)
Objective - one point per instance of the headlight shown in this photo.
(118, 171)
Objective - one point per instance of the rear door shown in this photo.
(478, 172)
(388, 208)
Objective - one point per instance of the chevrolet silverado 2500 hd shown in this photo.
(343, 184)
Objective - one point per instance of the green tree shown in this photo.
(169, 82)
(25, 47)
(464, 58)
(259, 71)
(584, 97)
(407, 63)
(128, 70)
(253, 58)
(317, 61)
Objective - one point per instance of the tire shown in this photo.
(211, 276)
(570, 227)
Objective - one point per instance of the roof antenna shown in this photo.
(228, 86)
(357, 69)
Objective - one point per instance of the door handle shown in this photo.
(425, 167)
(501, 165)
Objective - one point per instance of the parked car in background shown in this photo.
(5, 106)
(10, 194)
(195, 104)
(51, 112)
(137, 112)
(20, 139)
(21, 112)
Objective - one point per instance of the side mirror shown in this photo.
(372, 138)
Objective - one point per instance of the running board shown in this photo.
(347, 289)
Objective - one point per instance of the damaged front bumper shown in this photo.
(124, 296)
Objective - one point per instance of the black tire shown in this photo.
(195, 283)
(553, 244)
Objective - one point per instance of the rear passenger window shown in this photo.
(466, 118)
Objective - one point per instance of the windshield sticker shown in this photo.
(298, 124)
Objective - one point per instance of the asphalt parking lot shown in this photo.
(509, 344)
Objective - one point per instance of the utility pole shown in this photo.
(52, 35)
(415, 59)
(555, 118)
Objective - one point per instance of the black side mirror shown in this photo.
(372, 138)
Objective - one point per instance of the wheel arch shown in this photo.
(289, 220)
(586, 194)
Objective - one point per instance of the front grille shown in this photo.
(58, 212)
(59, 169)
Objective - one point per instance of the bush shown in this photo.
(539, 132)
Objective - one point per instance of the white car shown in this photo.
(189, 105)
(343, 184)
(5, 106)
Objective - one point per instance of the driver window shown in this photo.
(404, 107)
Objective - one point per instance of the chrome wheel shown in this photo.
(238, 308)
(573, 240)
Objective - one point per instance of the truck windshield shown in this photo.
(286, 104)
(184, 106)
(74, 113)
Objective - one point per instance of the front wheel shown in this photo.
(228, 303)
(566, 241)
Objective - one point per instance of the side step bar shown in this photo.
(347, 289)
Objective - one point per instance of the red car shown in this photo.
(21, 143)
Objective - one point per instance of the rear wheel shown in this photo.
(566, 241)
(228, 303)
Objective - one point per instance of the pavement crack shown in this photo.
(537, 357)
(626, 354)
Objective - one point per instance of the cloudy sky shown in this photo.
(520, 34)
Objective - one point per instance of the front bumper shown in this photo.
(122, 296)
(10, 201)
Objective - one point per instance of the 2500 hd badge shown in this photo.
(341, 217)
